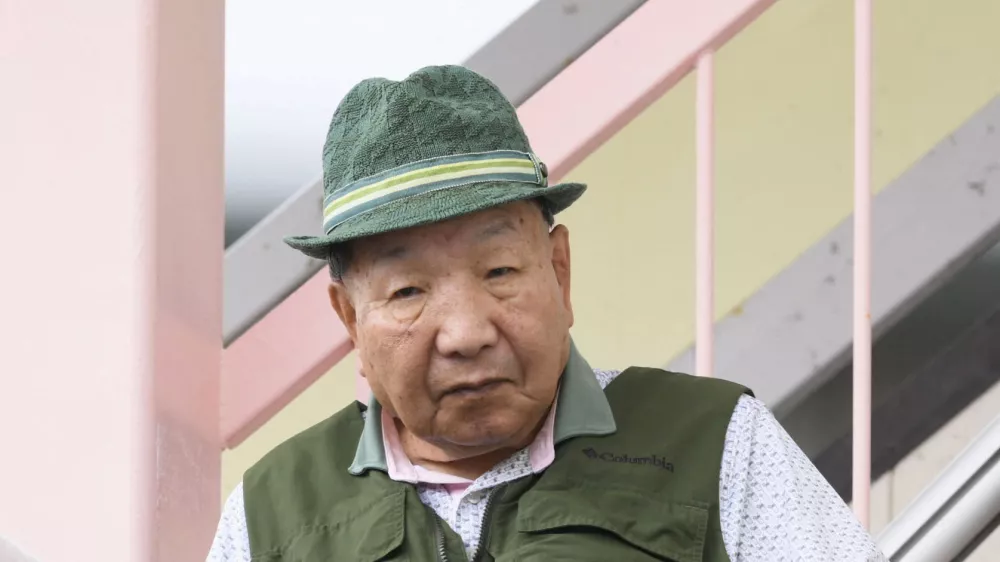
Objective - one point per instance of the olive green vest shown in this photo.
(649, 491)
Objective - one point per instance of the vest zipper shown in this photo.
(484, 529)
(442, 553)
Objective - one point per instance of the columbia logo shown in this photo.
(651, 460)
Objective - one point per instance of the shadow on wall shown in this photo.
(10, 553)
(927, 369)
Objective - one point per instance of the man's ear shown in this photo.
(341, 303)
(559, 240)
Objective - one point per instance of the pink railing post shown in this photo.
(705, 216)
(862, 259)
(254, 385)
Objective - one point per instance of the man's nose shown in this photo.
(466, 325)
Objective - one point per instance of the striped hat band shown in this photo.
(433, 174)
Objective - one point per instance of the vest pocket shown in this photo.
(364, 534)
(380, 530)
(591, 523)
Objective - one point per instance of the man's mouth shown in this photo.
(473, 388)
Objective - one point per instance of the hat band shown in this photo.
(433, 174)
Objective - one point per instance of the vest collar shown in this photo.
(582, 409)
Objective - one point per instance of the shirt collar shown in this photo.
(581, 409)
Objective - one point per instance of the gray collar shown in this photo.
(582, 409)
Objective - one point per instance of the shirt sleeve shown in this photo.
(232, 543)
(775, 505)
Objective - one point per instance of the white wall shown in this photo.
(289, 63)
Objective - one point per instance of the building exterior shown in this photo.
(784, 169)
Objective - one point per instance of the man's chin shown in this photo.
(484, 434)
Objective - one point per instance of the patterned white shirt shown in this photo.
(775, 506)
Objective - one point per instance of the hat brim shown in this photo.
(435, 206)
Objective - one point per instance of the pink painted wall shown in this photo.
(111, 172)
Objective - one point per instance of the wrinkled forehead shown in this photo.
(516, 224)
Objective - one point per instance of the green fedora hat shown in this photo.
(441, 143)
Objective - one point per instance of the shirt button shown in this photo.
(473, 498)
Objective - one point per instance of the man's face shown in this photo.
(463, 326)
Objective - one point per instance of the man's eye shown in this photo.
(499, 272)
(406, 293)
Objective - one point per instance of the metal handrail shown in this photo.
(955, 510)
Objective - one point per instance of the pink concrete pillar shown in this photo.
(111, 236)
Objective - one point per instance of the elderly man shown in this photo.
(488, 436)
